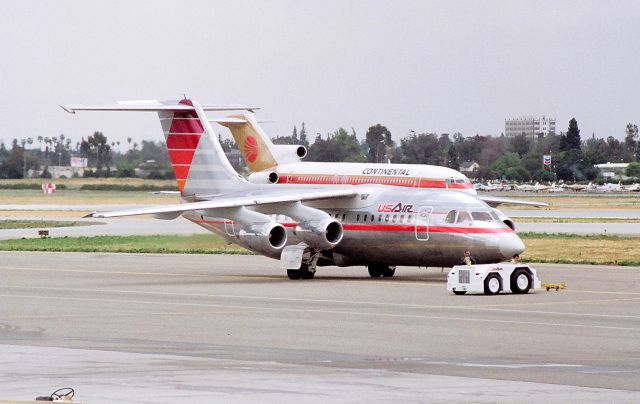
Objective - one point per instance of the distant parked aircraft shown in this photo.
(610, 187)
(580, 187)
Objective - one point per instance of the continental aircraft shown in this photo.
(280, 164)
(306, 226)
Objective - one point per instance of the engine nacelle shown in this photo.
(505, 219)
(288, 153)
(264, 177)
(321, 235)
(265, 238)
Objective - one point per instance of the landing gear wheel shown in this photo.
(374, 271)
(520, 281)
(459, 292)
(388, 271)
(306, 273)
(492, 284)
(294, 274)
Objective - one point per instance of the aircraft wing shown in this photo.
(493, 202)
(263, 198)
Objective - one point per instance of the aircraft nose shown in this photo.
(511, 245)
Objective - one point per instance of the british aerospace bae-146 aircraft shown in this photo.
(306, 226)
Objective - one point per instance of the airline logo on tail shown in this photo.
(182, 141)
(254, 144)
(251, 149)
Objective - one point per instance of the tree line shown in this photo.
(517, 158)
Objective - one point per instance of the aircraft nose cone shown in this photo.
(511, 245)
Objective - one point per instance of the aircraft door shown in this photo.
(228, 227)
(422, 223)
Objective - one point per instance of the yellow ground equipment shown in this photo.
(556, 286)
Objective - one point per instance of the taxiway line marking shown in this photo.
(495, 308)
(324, 311)
(425, 283)
(213, 276)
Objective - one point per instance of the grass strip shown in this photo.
(125, 187)
(564, 236)
(40, 224)
(541, 247)
(533, 219)
(23, 185)
(158, 244)
(597, 249)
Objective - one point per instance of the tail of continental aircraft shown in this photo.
(199, 163)
(256, 147)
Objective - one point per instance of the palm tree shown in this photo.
(47, 142)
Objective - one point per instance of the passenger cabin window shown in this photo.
(394, 218)
(464, 217)
(482, 216)
(386, 218)
(451, 217)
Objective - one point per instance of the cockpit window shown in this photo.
(451, 217)
(495, 217)
(463, 217)
(460, 181)
(482, 216)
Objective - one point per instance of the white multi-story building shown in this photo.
(530, 126)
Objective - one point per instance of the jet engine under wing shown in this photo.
(494, 202)
(264, 198)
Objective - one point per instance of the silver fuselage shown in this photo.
(398, 226)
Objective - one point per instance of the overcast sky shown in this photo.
(436, 66)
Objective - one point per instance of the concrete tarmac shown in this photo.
(204, 328)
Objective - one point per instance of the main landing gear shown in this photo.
(307, 268)
(305, 272)
(378, 270)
